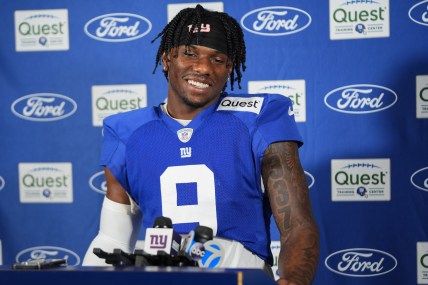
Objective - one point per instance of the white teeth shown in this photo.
(198, 84)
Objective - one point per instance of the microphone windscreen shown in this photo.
(203, 234)
(163, 222)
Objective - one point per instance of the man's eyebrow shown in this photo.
(214, 53)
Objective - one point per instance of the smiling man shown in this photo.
(202, 157)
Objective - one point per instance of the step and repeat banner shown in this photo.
(356, 71)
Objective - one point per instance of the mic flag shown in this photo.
(193, 245)
(214, 255)
(162, 237)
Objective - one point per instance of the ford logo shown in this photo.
(44, 107)
(419, 179)
(45, 252)
(310, 179)
(98, 183)
(276, 21)
(419, 13)
(117, 27)
(360, 99)
(2, 183)
(361, 262)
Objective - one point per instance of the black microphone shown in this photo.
(201, 247)
(162, 237)
(193, 244)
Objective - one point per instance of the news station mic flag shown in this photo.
(162, 237)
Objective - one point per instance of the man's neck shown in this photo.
(183, 122)
(179, 108)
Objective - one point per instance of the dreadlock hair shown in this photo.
(170, 37)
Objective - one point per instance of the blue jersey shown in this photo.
(206, 173)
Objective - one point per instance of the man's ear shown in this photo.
(229, 67)
(165, 61)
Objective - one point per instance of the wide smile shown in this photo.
(198, 84)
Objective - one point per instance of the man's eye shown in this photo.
(218, 60)
(189, 53)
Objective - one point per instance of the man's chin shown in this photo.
(197, 104)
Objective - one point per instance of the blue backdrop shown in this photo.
(357, 72)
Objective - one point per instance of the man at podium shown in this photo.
(209, 158)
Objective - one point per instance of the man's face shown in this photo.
(196, 75)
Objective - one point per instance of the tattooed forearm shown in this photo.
(282, 202)
(289, 198)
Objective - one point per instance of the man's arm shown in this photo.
(115, 191)
(119, 223)
(287, 189)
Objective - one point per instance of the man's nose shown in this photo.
(203, 66)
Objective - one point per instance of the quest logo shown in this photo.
(41, 30)
(112, 99)
(422, 96)
(44, 107)
(419, 179)
(360, 99)
(45, 252)
(418, 13)
(45, 182)
(276, 21)
(117, 27)
(359, 19)
(361, 262)
(98, 183)
(241, 104)
(361, 180)
(422, 259)
(293, 89)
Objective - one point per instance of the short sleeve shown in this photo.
(276, 123)
(113, 154)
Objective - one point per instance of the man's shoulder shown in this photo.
(130, 115)
(131, 120)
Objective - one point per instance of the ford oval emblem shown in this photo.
(418, 13)
(310, 179)
(45, 252)
(2, 183)
(361, 262)
(276, 21)
(117, 27)
(97, 182)
(44, 107)
(360, 99)
(419, 179)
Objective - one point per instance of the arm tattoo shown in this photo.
(287, 189)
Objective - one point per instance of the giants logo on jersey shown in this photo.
(185, 152)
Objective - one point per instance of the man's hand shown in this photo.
(282, 281)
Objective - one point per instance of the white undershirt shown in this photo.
(180, 121)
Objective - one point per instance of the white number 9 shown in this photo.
(204, 211)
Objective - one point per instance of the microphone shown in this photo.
(193, 245)
(162, 237)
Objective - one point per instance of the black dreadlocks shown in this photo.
(234, 36)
